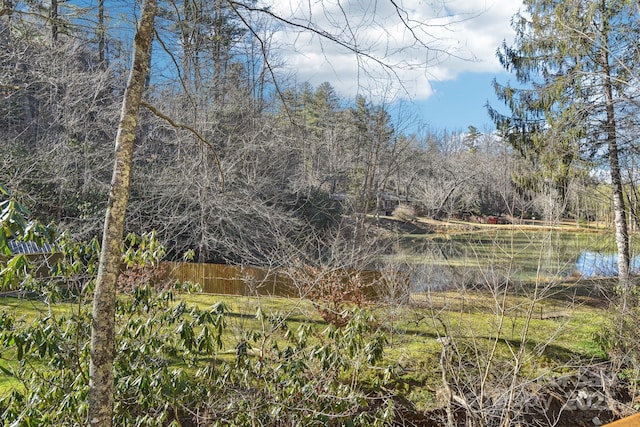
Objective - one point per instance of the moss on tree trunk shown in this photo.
(101, 386)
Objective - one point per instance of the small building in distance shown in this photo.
(41, 258)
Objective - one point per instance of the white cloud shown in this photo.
(459, 36)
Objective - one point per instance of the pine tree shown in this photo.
(574, 59)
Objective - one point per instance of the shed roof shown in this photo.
(19, 247)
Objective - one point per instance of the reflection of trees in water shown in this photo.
(430, 248)
(508, 256)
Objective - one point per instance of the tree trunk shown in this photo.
(101, 386)
(619, 209)
(102, 45)
(53, 16)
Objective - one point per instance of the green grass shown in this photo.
(486, 324)
(412, 331)
(415, 327)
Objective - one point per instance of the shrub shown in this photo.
(332, 290)
(620, 339)
(404, 213)
(173, 367)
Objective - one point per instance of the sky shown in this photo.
(442, 80)
(439, 56)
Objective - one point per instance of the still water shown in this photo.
(598, 264)
(517, 255)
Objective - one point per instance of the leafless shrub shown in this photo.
(404, 213)
(331, 290)
(135, 276)
(496, 367)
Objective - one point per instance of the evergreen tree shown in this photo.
(575, 59)
(373, 137)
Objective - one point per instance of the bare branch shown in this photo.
(175, 63)
(175, 124)
(263, 50)
(309, 27)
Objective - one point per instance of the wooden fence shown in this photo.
(631, 421)
(245, 280)
(233, 279)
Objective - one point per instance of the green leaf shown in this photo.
(6, 371)
(19, 350)
(4, 244)
(16, 263)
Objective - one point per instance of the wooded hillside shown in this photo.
(230, 163)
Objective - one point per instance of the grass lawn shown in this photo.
(479, 322)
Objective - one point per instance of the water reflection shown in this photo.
(598, 264)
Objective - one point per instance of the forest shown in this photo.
(221, 156)
(273, 161)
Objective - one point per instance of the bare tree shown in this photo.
(101, 385)
(58, 112)
(209, 125)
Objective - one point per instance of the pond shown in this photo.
(598, 264)
(513, 255)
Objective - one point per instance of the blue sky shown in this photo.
(457, 104)
(444, 87)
